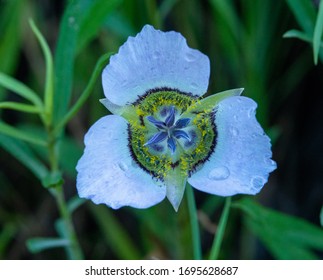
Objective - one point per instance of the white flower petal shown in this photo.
(241, 161)
(107, 173)
(154, 59)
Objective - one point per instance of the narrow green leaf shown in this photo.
(38, 244)
(20, 89)
(79, 18)
(103, 60)
(7, 234)
(16, 133)
(94, 19)
(116, 237)
(318, 30)
(299, 35)
(304, 13)
(49, 84)
(226, 10)
(321, 216)
(20, 107)
(10, 18)
(24, 154)
(287, 237)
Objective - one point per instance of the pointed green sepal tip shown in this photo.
(210, 102)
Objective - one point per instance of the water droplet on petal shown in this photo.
(123, 166)
(219, 173)
(251, 112)
(194, 85)
(190, 57)
(109, 134)
(234, 131)
(235, 117)
(257, 182)
(270, 162)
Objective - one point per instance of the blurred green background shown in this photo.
(245, 44)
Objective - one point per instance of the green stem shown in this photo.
(197, 251)
(73, 249)
(215, 250)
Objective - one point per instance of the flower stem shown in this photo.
(73, 249)
(197, 251)
(215, 250)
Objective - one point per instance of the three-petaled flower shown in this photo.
(162, 134)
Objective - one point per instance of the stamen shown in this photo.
(157, 138)
(181, 123)
(171, 117)
(158, 124)
(171, 144)
(181, 134)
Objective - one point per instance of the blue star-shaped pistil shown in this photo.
(169, 129)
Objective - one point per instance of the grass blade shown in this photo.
(36, 245)
(24, 154)
(304, 13)
(20, 107)
(13, 132)
(20, 89)
(49, 83)
(318, 30)
(79, 20)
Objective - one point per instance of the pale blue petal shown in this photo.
(107, 173)
(154, 59)
(241, 161)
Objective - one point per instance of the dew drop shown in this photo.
(190, 57)
(234, 131)
(270, 162)
(194, 85)
(219, 173)
(109, 134)
(257, 182)
(251, 112)
(235, 117)
(123, 166)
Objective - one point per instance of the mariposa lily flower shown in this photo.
(162, 134)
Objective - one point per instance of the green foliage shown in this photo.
(36, 245)
(79, 24)
(286, 237)
(311, 23)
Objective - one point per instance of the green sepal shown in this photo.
(128, 112)
(175, 182)
(208, 103)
